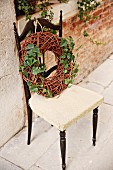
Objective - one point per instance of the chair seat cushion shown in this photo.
(63, 110)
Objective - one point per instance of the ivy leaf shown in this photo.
(66, 66)
(44, 14)
(69, 85)
(49, 93)
(25, 64)
(64, 42)
(75, 70)
(36, 49)
(29, 83)
(65, 49)
(43, 68)
(65, 71)
(61, 61)
(66, 81)
(26, 57)
(34, 88)
(72, 58)
(29, 46)
(35, 70)
(65, 62)
(68, 55)
(21, 68)
(85, 34)
(63, 56)
(44, 90)
(31, 53)
(72, 44)
(25, 74)
(30, 62)
(72, 81)
(53, 31)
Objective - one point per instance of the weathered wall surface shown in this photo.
(101, 30)
(11, 93)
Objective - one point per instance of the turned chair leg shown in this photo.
(29, 124)
(95, 120)
(63, 148)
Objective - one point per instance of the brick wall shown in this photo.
(101, 30)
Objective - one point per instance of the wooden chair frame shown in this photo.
(30, 26)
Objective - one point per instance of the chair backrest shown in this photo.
(30, 27)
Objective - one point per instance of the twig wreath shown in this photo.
(33, 70)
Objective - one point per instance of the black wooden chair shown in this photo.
(61, 112)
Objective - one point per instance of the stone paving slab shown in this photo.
(103, 75)
(6, 165)
(35, 168)
(111, 57)
(108, 94)
(23, 155)
(92, 86)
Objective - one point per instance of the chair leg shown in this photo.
(95, 120)
(29, 124)
(63, 148)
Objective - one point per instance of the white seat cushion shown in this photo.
(63, 110)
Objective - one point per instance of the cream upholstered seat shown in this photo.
(63, 110)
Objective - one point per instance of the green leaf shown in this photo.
(85, 34)
(66, 81)
(49, 93)
(34, 88)
(44, 90)
(21, 68)
(65, 71)
(29, 83)
(76, 70)
(30, 46)
(25, 64)
(63, 56)
(30, 62)
(72, 81)
(44, 14)
(69, 55)
(35, 70)
(65, 62)
(72, 44)
(25, 74)
(64, 42)
(61, 61)
(65, 49)
(66, 66)
(31, 53)
(43, 68)
(41, 85)
(53, 31)
(26, 57)
(69, 85)
(36, 49)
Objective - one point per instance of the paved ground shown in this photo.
(44, 151)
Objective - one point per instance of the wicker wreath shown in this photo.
(46, 41)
